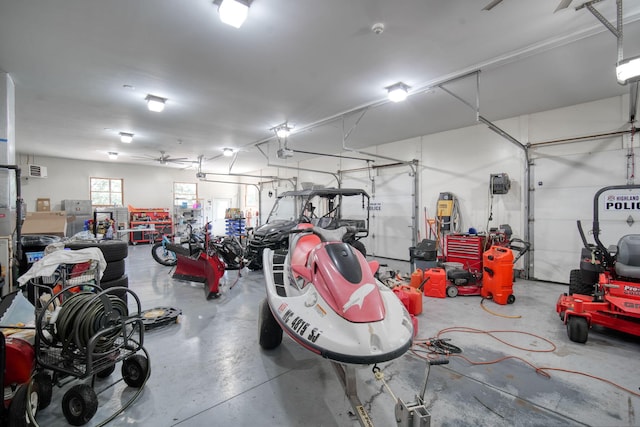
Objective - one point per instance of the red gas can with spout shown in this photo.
(497, 275)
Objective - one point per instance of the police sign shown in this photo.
(622, 202)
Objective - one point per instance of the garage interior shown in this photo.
(514, 118)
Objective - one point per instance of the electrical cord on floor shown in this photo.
(421, 349)
(497, 314)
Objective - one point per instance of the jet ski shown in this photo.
(322, 292)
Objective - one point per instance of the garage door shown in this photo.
(564, 187)
(391, 224)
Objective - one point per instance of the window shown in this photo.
(106, 191)
(185, 193)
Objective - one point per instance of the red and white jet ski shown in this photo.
(322, 292)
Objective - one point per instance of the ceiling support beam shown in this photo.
(528, 231)
(269, 164)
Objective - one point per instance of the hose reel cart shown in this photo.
(82, 331)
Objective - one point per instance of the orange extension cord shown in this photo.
(420, 349)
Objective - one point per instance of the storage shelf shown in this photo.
(152, 223)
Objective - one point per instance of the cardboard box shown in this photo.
(50, 223)
(43, 205)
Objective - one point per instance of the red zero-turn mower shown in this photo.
(606, 289)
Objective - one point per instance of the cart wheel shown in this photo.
(45, 389)
(270, 330)
(452, 291)
(511, 299)
(18, 416)
(79, 404)
(577, 329)
(135, 370)
(106, 371)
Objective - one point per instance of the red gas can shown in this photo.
(416, 278)
(497, 275)
(410, 297)
(436, 286)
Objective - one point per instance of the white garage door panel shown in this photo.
(561, 200)
(391, 226)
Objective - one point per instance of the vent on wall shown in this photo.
(36, 171)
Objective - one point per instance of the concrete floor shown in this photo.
(208, 370)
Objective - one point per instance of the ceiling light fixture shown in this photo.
(398, 92)
(628, 70)
(283, 130)
(227, 152)
(126, 137)
(112, 155)
(155, 103)
(233, 12)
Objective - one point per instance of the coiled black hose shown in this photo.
(84, 315)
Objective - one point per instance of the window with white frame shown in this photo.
(106, 191)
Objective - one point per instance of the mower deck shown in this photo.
(608, 313)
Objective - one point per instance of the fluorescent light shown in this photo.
(155, 103)
(283, 131)
(126, 137)
(628, 70)
(227, 152)
(112, 155)
(398, 92)
(233, 12)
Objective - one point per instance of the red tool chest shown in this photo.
(465, 249)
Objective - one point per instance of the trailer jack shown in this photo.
(416, 414)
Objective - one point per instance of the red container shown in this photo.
(436, 286)
(414, 321)
(497, 277)
(416, 278)
(410, 297)
(20, 361)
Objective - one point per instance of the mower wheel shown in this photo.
(45, 389)
(79, 404)
(270, 330)
(577, 286)
(135, 370)
(511, 299)
(452, 291)
(18, 408)
(577, 329)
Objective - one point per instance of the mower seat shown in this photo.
(628, 258)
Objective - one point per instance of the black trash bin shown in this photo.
(33, 249)
(424, 255)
